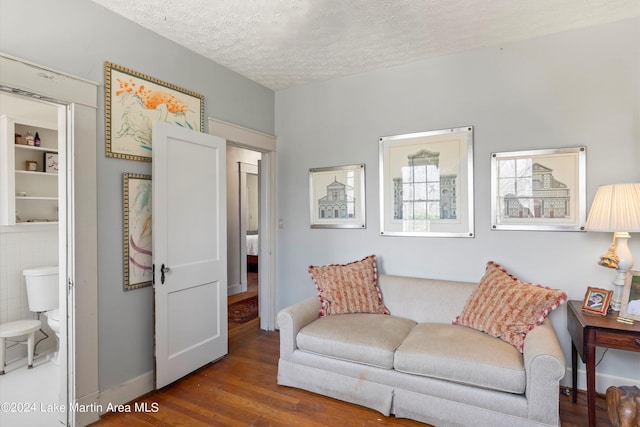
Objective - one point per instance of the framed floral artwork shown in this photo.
(134, 101)
(137, 237)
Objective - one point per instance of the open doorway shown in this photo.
(243, 234)
(33, 183)
(77, 233)
(238, 136)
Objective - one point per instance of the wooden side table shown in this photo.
(589, 331)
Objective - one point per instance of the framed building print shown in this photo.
(137, 237)
(426, 184)
(337, 197)
(539, 190)
(133, 102)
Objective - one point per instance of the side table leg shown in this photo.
(591, 376)
(574, 373)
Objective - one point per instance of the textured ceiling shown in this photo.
(285, 43)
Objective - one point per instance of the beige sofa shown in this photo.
(416, 364)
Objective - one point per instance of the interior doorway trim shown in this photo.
(81, 97)
(266, 144)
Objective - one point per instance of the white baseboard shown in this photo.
(603, 381)
(86, 417)
(126, 392)
(234, 289)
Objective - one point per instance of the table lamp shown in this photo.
(616, 208)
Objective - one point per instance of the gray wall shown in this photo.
(77, 37)
(576, 88)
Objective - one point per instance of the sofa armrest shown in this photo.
(292, 319)
(544, 365)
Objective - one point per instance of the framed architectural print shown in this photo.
(426, 184)
(597, 300)
(137, 231)
(133, 102)
(337, 197)
(630, 308)
(539, 190)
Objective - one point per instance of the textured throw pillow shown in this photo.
(506, 308)
(348, 288)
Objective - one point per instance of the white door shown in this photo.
(189, 250)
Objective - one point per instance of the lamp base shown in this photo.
(618, 288)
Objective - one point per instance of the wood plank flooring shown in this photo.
(241, 390)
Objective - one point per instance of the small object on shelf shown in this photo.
(19, 139)
(51, 162)
(32, 165)
(30, 139)
(36, 140)
(21, 194)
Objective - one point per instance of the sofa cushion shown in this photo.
(462, 355)
(360, 337)
(348, 288)
(506, 308)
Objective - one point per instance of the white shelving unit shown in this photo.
(26, 196)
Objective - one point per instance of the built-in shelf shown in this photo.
(28, 195)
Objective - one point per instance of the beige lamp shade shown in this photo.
(615, 208)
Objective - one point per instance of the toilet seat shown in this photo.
(53, 314)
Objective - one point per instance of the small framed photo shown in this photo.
(597, 300)
(336, 196)
(630, 308)
(51, 162)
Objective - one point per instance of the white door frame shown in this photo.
(266, 144)
(81, 246)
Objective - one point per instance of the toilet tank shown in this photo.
(42, 288)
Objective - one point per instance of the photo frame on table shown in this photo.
(134, 101)
(337, 197)
(426, 184)
(137, 237)
(630, 308)
(596, 300)
(539, 190)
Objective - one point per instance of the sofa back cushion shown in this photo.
(424, 300)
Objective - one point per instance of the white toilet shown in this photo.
(42, 294)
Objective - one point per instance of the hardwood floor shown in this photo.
(241, 390)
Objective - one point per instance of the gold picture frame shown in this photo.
(630, 308)
(137, 236)
(134, 101)
(596, 300)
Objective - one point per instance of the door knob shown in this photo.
(163, 270)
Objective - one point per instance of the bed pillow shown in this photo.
(506, 308)
(348, 288)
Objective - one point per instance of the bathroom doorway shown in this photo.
(34, 235)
